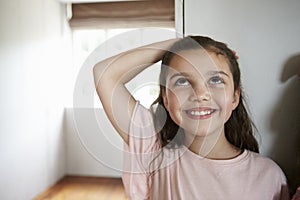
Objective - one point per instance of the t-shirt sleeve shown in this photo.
(285, 194)
(278, 180)
(142, 148)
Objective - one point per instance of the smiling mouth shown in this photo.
(199, 113)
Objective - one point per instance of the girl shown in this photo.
(197, 140)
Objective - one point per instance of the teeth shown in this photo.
(199, 113)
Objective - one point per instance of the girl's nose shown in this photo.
(200, 93)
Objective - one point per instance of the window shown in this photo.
(145, 86)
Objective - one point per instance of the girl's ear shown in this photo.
(236, 98)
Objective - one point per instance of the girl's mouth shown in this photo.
(200, 113)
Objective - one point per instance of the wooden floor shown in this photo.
(85, 188)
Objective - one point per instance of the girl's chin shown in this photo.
(198, 128)
(192, 133)
(203, 132)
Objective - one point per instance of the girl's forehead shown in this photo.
(199, 60)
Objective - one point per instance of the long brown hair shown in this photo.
(239, 129)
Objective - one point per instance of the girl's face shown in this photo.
(199, 93)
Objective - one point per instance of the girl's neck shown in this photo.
(214, 146)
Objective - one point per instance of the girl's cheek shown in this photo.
(225, 100)
(219, 95)
(178, 97)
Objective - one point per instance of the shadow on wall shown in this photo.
(285, 123)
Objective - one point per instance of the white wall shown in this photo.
(93, 148)
(33, 64)
(266, 36)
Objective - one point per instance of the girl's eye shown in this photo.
(182, 82)
(216, 80)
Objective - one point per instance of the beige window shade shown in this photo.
(147, 13)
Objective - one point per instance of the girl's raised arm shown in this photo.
(112, 74)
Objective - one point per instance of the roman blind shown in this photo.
(125, 14)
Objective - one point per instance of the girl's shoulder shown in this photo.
(141, 113)
(142, 135)
(265, 164)
(261, 159)
(141, 119)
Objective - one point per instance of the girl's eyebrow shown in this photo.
(179, 74)
(217, 72)
(211, 73)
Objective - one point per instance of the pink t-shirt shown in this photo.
(178, 174)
